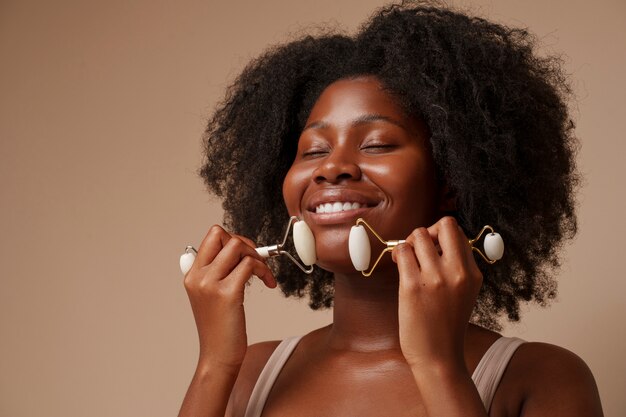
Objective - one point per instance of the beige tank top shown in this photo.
(486, 376)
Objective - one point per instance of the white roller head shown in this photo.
(494, 246)
(359, 247)
(304, 242)
(264, 251)
(186, 260)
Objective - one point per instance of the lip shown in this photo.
(331, 195)
(343, 195)
(337, 218)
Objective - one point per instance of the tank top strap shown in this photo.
(491, 367)
(269, 374)
(486, 376)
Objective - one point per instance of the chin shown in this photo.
(335, 259)
(338, 269)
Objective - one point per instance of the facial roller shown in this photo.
(303, 241)
(187, 258)
(493, 245)
(360, 249)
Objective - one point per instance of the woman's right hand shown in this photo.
(215, 286)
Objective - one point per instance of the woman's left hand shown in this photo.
(439, 284)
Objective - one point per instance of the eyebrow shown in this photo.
(361, 120)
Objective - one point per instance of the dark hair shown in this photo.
(500, 131)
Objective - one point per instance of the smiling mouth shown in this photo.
(338, 212)
(338, 207)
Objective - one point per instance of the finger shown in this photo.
(467, 248)
(408, 268)
(248, 241)
(215, 239)
(469, 254)
(423, 242)
(231, 255)
(453, 245)
(248, 267)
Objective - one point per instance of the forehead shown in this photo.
(348, 99)
(348, 102)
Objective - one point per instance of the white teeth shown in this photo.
(337, 207)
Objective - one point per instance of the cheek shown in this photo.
(294, 185)
(421, 201)
(404, 179)
(410, 185)
(417, 192)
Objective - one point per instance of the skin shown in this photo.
(400, 343)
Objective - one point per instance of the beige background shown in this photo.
(102, 105)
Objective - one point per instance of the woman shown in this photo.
(434, 124)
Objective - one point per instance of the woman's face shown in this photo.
(358, 146)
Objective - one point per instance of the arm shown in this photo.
(215, 286)
(209, 391)
(438, 289)
(541, 380)
(448, 391)
(439, 284)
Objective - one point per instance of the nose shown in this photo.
(337, 166)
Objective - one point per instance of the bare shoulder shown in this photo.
(551, 380)
(256, 357)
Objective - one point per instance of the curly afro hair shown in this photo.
(501, 138)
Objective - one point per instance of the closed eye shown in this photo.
(379, 148)
(313, 153)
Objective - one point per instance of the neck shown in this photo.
(365, 314)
